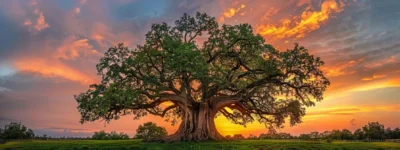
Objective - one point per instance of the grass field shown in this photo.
(234, 145)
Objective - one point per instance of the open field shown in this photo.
(234, 145)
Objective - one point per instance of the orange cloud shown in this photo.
(382, 62)
(302, 2)
(299, 26)
(340, 69)
(73, 48)
(40, 23)
(47, 61)
(349, 110)
(230, 12)
(27, 22)
(77, 9)
(373, 77)
(269, 13)
(105, 37)
(380, 84)
(52, 69)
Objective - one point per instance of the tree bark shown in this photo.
(197, 125)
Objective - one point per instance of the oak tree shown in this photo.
(204, 70)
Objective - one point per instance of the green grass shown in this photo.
(234, 145)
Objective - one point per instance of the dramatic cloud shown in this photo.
(73, 48)
(50, 49)
(230, 12)
(51, 69)
(351, 110)
(298, 26)
(341, 68)
(38, 21)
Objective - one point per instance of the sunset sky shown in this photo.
(49, 49)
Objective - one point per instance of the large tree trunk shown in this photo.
(197, 125)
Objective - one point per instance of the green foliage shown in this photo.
(346, 134)
(102, 135)
(150, 130)
(16, 131)
(392, 133)
(231, 64)
(359, 134)
(314, 135)
(374, 130)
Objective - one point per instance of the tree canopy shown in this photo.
(374, 130)
(204, 70)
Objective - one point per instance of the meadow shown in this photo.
(228, 145)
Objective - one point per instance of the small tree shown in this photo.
(150, 130)
(16, 131)
(118, 136)
(285, 135)
(389, 133)
(45, 137)
(336, 134)
(359, 134)
(396, 133)
(252, 137)
(314, 135)
(238, 137)
(326, 135)
(374, 130)
(228, 137)
(124, 136)
(346, 134)
(102, 135)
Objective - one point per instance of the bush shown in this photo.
(16, 131)
(150, 130)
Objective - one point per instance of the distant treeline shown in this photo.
(16, 131)
(371, 131)
(102, 135)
